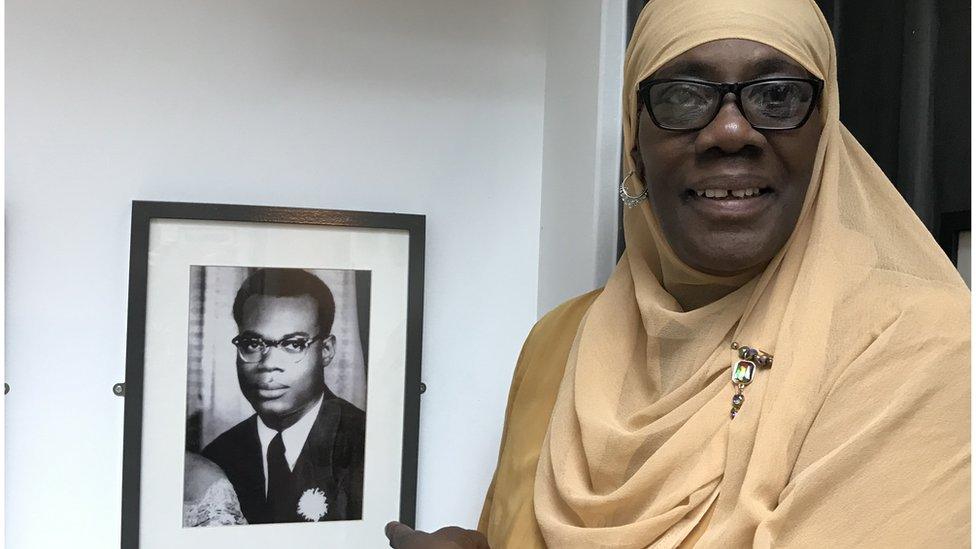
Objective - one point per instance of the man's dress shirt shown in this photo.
(293, 437)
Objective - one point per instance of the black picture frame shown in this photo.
(144, 212)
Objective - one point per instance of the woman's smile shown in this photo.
(726, 206)
(731, 198)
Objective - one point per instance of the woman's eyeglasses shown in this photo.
(768, 104)
(253, 348)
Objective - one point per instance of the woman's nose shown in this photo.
(729, 131)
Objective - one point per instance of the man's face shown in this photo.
(731, 235)
(283, 385)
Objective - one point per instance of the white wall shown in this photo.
(429, 106)
(581, 152)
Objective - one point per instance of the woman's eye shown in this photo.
(683, 95)
(778, 94)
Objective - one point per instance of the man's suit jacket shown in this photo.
(330, 466)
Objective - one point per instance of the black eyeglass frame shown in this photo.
(725, 88)
(269, 343)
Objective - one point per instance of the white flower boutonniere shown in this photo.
(312, 506)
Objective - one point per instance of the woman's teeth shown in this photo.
(724, 193)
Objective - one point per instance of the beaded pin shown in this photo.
(744, 370)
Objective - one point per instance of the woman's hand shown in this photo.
(402, 536)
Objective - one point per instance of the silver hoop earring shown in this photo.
(629, 200)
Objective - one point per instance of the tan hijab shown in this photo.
(859, 434)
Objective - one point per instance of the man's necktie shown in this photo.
(281, 507)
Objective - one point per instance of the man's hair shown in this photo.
(288, 283)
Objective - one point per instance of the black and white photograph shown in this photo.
(275, 395)
(272, 387)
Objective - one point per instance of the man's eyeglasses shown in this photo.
(253, 348)
(768, 103)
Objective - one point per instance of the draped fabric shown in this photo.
(857, 436)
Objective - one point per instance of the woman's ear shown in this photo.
(635, 157)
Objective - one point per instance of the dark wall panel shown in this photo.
(951, 149)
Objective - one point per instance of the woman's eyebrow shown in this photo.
(775, 65)
(759, 68)
(687, 68)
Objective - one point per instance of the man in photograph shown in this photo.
(300, 456)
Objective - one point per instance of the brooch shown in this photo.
(744, 369)
(312, 506)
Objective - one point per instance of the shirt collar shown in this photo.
(293, 437)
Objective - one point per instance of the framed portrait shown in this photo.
(272, 376)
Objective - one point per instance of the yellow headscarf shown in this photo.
(859, 434)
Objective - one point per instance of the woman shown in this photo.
(208, 497)
(781, 357)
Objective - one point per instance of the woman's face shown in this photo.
(731, 234)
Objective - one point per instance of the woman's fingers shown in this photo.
(397, 532)
(402, 536)
(469, 539)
